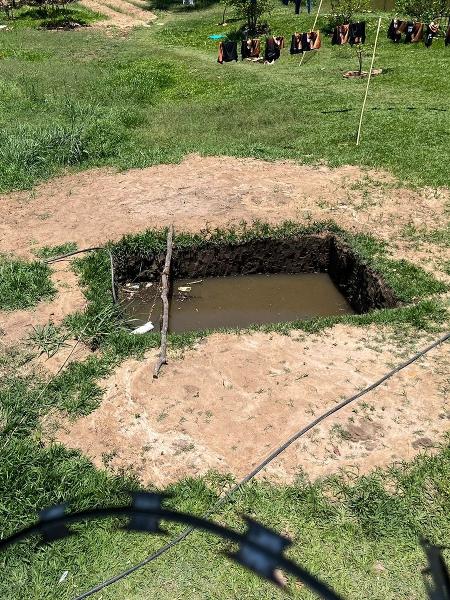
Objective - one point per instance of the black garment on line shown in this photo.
(447, 37)
(295, 44)
(229, 51)
(272, 50)
(306, 44)
(298, 4)
(357, 31)
(409, 32)
(429, 36)
(393, 33)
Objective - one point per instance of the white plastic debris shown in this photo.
(63, 576)
(149, 284)
(143, 328)
(185, 288)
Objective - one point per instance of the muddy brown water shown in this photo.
(236, 301)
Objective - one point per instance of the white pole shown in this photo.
(313, 28)
(368, 83)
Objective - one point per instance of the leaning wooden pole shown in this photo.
(368, 83)
(162, 359)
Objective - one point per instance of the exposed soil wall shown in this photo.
(361, 285)
(364, 289)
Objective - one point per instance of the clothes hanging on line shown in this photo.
(304, 42)
(296, 43)
(227, 52)
(413, 32)
(357, 33)
(340, 34)
(250, 49)
(273, 47)
(432, 30)
(395, 30)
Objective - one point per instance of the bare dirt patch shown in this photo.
(98, 205)
(120, 13)
(230, 401)
(17, 325)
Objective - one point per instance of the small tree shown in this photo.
(251, 11)
(344, 10)
(360, 54)
(423, 10)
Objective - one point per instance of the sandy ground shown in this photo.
(202, 192)
(225, 404)
(120, 13)
(230, 401)
(211, 191)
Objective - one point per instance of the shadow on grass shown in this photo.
(178, 6)
(53, 17)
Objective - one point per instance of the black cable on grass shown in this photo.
(261, 549)
(111, 259)
(63, 256)
(261, 466)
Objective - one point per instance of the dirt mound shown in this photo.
(92, 207)
(121, 13)
(233, 399)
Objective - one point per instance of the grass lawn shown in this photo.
(78, 99)
(86, 98)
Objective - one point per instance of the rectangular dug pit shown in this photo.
(251, 283)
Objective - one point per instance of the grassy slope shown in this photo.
(158, 93)
(85, 99)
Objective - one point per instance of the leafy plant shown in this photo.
(49, 338)
(424, 10)
(251, 11)
(344, 10)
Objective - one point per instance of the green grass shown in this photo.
(23, 284)
(158, 93)
(421, 235)
(42, 16)
(71, 100)
(54, 251)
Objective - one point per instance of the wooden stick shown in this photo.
(162, 360)
(313, 29)
(368, 83)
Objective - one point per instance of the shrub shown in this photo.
(424, 10)
(343, 11)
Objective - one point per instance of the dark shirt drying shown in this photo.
(296, 43)
(432, 30)
(394, 31)
(357, 33)
(272, 50)
(227, 52)
(340, 34)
